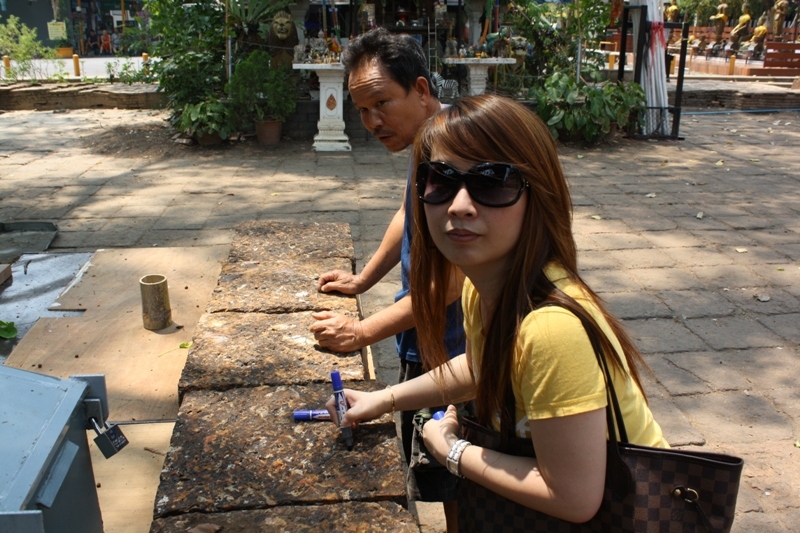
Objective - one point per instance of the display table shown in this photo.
(478, 69)
(330, 136)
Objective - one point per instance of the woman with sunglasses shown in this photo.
(494, 204)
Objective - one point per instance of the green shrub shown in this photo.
(260, 91)
(208, 116)
(20, 43)
(575, 109)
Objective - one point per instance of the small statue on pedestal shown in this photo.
(779, 16)
(672, 11)
(759, 36)
(318, 48)
(741, 29)
(450, 48)
(719, 20)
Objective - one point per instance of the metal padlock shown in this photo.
(109, 440)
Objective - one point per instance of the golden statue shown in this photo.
(779, 16)
(719, 20)
(741, 29)
(759, 34)
(672, 11)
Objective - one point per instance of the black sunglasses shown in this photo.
(489, 184)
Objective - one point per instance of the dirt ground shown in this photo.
(153, 139)
(149, 134)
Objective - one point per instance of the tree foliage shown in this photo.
(192, 51)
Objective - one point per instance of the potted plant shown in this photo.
(64, 50)
(209, 121)
(264, 94)
(626, 102)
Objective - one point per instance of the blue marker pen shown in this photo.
(438, 415)
(311, 414)
(341, 407)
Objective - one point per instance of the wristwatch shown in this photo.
(454, 457)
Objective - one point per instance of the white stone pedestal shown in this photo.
(478, 69)
(331, 136)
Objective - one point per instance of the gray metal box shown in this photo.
(46, 480)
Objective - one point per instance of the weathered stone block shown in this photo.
(241, 449)
(345, 517)
(278, 287)
(252, 349)
(276, 241)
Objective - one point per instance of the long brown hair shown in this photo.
(496, 129)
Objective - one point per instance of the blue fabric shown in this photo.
(406, 342)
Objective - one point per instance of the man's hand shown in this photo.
(337, 332)
(341, 281)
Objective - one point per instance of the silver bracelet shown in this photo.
(454, 457)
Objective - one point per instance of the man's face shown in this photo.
(387, 110)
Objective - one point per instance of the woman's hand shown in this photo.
(361, 406)
(440, 435)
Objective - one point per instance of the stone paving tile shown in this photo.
(701, 256)
(757, 256)
(585, 243)
(641, 258)
(664, 279)
(269, 242)
(689, 221)
(252, 349)
(785, 325)
(183, 237)
(691, 304)
(603, 281)
(278, 287)
(735, 417)
(633, 305)
(764, 300)
(733, 332)
(767, 369)
(732, 239)
(781, 274)
(658, 335)
(676, 427)
(727, 276)
(674, 239)
(583, 223)
(711, 368)
(677, 380)
(255, 456)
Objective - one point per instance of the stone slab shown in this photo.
(738, 332)
(348, 517)
(240, 449)
(270, 241)
(278, 287)
(253, 349)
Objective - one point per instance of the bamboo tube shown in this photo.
(156, 312)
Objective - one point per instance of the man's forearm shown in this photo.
(388, 321)
(388, 254)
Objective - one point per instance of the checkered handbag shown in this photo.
(658, 490)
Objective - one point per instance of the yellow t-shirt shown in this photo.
(555, 370)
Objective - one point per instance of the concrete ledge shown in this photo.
(47, 97)
(738, 95)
